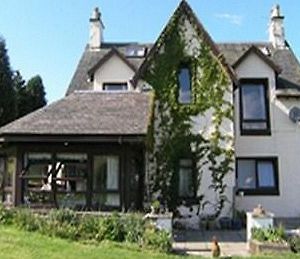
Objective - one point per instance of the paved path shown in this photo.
(198, 242)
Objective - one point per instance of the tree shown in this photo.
(22, 99)
(36, 93)
(7, 92)
(30, 96)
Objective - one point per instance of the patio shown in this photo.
(197, 242)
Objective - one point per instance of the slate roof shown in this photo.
(88, 113)
(89, 59)
(83, 112)
(284, 59)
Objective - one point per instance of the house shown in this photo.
(185, 120)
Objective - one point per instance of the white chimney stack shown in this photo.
(276, 29)
(96, 30)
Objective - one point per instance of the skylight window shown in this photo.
(136, 51)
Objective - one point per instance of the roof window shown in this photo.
(136, 51)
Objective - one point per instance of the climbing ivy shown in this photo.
(171, 135)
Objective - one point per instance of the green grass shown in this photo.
(15, 244)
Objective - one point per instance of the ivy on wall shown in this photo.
(171, 136)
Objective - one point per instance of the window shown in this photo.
(184, 81)
(136, 51)
(115, 87)
(257, 176)
(37, 179)
(71, 180)
(254, 107)
(186, 181)
(106, 190)
(63, 175)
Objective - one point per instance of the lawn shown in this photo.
(15, 244)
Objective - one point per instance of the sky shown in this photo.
(48, 37)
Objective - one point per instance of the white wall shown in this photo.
(202, 123)
(114, 70)
(283, 143)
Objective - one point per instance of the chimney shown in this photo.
(96, 30)
(276, 29)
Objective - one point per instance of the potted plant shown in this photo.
(268, 240)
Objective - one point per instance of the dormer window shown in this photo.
(254, 107)
(185, 86)
(117, 87)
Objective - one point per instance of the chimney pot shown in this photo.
(276, 29)
(96, 30)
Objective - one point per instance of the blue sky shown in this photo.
(48, 37)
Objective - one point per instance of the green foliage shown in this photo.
(6, 216)
(170, 134)
(15, 244)
(274, 235)
(157, 239)
(17, 98)
(112, 228)
(36, 91)
(30, 95)
(295, 243)
(26, 220)
(134, 226)
(67, 224)
(7, 96)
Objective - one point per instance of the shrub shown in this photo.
(112, 228)
(26, 220)
(295, 244)
(134, 225)
(61, 223)
(89, 227)
(65, 216)
(6, 215)
(274, 235)
(67, 224)
(157, 239)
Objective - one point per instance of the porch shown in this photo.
(99, 176)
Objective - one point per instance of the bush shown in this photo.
(134, 225)
(112, 228)
(61, 223)
(26, 220)
(89, 228)
(274, 235)
(6, 216)
(67, 224)
(64, 216)
(157, 239)
(295, 244)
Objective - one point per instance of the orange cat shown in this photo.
(215, 248)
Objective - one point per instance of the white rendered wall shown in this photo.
(284, 143)
(114, 70)
(203, 123)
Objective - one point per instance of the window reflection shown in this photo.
(184, 80)
(106, 182)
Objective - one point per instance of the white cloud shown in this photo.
(232, 18)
